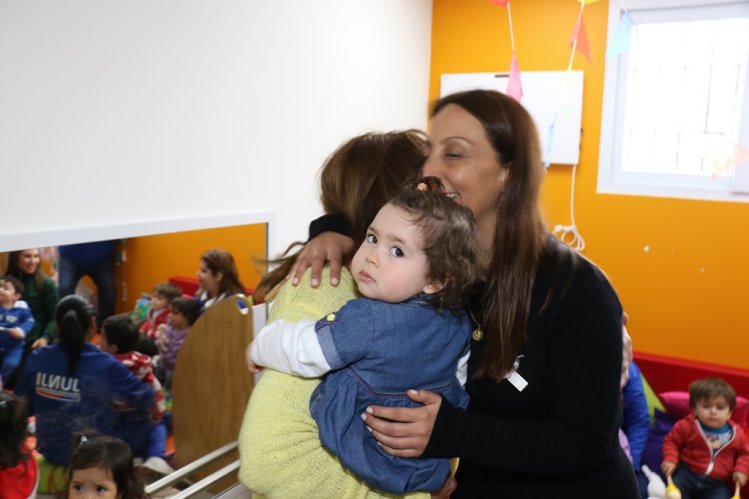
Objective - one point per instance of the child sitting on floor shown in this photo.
(158, 310)
(15, 322)
(119, 338)
(103, 467)
(183, 314)
(18, 468)
(704, 452)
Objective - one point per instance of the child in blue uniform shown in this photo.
(71, 385)
(15, 322)
(415, 265)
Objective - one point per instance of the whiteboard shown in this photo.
(546, 95)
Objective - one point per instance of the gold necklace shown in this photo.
(477, 333)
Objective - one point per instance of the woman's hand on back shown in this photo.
(328, 247)
(401, 431)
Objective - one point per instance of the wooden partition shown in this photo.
(212, 385)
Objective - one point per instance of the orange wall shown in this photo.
(687, 296)
(150, 260)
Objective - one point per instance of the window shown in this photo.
(676, 103)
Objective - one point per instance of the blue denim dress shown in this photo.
(377, 351)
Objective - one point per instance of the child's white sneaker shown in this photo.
(157, 465)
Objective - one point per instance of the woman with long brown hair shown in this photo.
(546, 352)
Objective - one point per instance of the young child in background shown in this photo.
(18, 468)
(158, 310)
(15, 322)
(705, 453)
(102, 467)
(120, 337)
(182, 314)
(415, 266)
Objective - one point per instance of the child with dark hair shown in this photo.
(120, 338)
(704, 452)
(15, 323)
(182, 314)
(158, 309)
(70, 387)
(415, 266)
(18, 468)
(102, 467)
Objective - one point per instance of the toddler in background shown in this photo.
(705, 452)
(18, 468)
(182, 314)
(120, 337)
(158, 310)
(410, 330)
(15, 321)
(103, 467)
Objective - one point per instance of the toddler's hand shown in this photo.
(739, 478)
(668, 468)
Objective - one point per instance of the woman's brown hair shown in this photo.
(218, 260)
(355, 182)
(520, 234)
(15, 270)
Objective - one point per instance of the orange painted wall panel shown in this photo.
(681, 267)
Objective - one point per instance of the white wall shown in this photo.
(122, 118)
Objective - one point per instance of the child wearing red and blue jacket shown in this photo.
(704, 452)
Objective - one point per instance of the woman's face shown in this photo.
(28, 261)
(461, 156)
(208, 280)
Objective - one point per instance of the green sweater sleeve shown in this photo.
(50, 297)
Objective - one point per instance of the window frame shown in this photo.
(611, 180)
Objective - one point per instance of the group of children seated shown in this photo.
(148, 348)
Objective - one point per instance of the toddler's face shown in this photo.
(390, 265)
(177, 320)
(713, 412)
(8, 293)
(159, 301)
(92, 483)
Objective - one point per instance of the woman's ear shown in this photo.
(218, 276)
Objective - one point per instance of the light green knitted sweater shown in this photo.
(280, 450)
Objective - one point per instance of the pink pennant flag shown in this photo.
(581, 36)
(740, 155)
(514, 86)
(499, 3)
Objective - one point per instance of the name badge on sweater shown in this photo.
(515, 378)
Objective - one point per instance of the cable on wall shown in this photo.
(569, 234)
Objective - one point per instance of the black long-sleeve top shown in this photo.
(559, 436)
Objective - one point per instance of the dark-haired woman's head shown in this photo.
(485, 148)
(218, 273)
(26, 262)
(76, 325)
